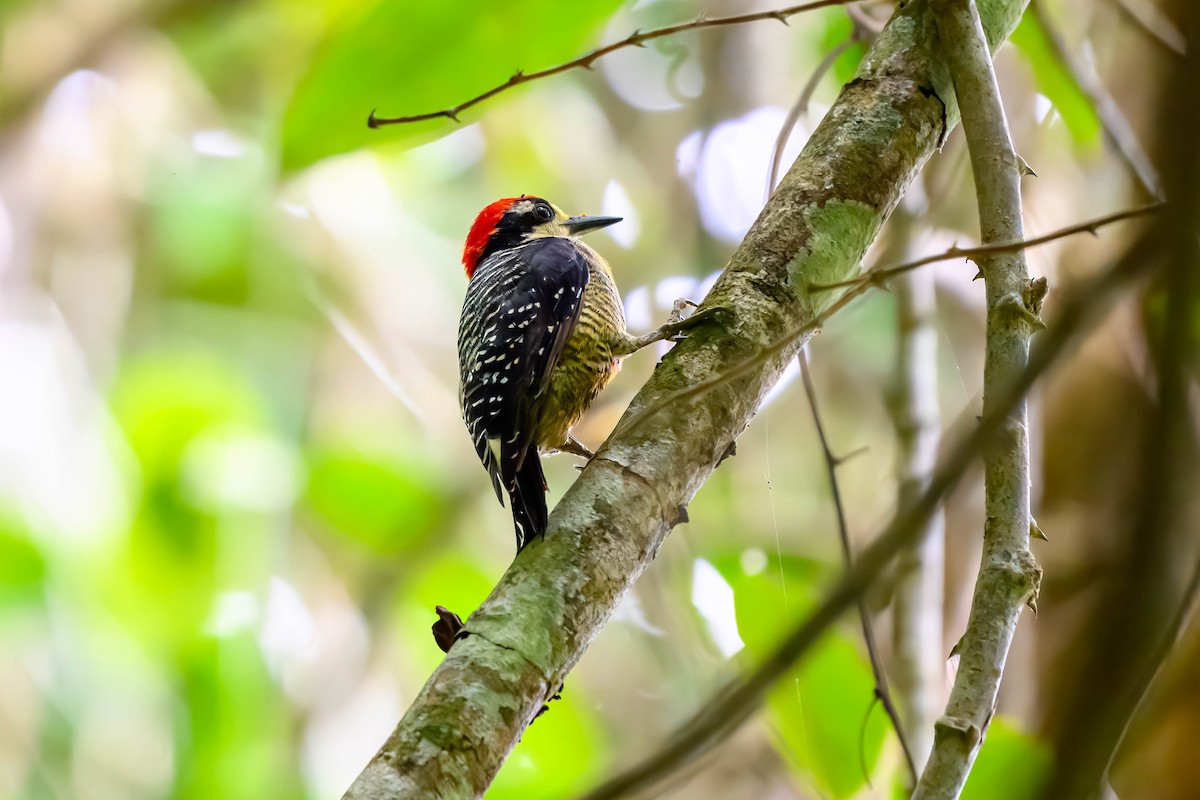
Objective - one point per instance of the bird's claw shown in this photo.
(677, 308)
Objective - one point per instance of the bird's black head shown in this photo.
(511, 221)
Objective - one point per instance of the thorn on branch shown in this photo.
(372, 123)
(452, 113)
(782, 17)
(1015, 304)
(1024, 167)
(681, 514)
(1035, 532)
(1037, 293)
(448, 629)
(729, 453)
(965, 728)
(546, 707)
(839, 460)
(517, 77)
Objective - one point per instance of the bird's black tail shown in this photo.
(527, 493)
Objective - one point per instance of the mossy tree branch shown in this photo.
(559, 592)
(1008, 575)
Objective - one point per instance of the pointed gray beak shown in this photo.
(580, 225)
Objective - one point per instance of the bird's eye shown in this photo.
(543, 213)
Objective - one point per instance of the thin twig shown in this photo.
(635, 39)
(863, 30)
(855, 288)
(733, 704)
(831, 463)
(1112, 121)
(800, 108)
(879, 275)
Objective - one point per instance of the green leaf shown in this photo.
(826, 715)
(386, 505)
(1054, 81)
(411, 58)
(1011, 765)
(822, 711)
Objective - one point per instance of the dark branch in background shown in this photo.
(1112, 121)
(635, 39)
(831, 464)
(1145, 600)
(880, 275)
(857, 287)
(1150, 18)
(1009, 577)
(731, 706)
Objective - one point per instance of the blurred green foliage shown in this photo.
(251, 486)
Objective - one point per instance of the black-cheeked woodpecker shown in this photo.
(542, 332)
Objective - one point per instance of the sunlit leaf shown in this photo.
(820, 709)
(1055, 82)
(411, 58)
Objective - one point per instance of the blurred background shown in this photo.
(234, 482)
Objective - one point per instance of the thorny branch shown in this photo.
(1009, 577)
(635, 39)
(880, 275)
(733, 704)
(857, 287)
(831, 464)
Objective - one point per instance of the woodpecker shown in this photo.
(542, 332)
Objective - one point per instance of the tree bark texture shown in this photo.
(558, 593)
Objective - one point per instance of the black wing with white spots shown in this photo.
(521, 307)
